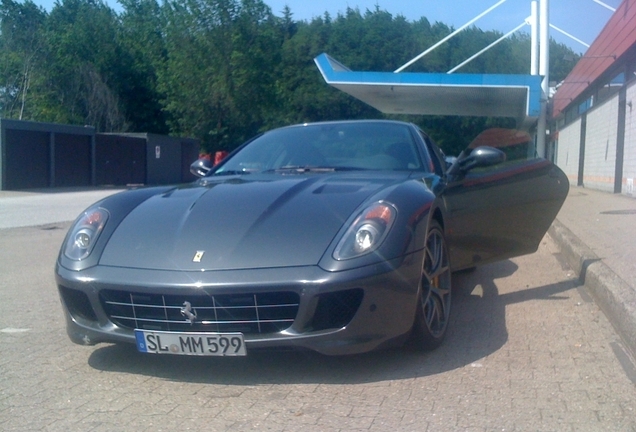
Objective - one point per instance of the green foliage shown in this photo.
(454, 133)
(141, 37)
(22, 48)
(218, 78)
(562, 60)
(224, 70)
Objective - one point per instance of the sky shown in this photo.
(583, 19)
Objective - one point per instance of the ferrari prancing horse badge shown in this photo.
(198, 256)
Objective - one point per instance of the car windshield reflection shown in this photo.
(326, 148)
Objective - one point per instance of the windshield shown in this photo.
(329, 146)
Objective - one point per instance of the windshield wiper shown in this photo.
(317, 169)
(231, 172)
(349, 168)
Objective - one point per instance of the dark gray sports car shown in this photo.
(338, 237)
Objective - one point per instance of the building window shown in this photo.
(611, 87)
(631, 71)
(586, 105)
(570, 115)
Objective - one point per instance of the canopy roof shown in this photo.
(517, 96)
(607, 52)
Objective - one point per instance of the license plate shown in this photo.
(200, 344)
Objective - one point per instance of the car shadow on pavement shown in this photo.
(477, 329)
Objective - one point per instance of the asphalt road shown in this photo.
(20, 209)
(527, 350)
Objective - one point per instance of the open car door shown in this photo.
(500, 210)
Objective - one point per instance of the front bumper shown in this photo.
(335, 313)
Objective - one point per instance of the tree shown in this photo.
(217, 79)
(224, 70)
(86, 67)
(141, 35)
(21, 53)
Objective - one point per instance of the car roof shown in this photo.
(356, 121)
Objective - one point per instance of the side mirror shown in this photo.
(482, 157)
(479, 157)
(201, 167)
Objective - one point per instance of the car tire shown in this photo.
(434, 297)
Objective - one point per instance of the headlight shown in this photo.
(83, 235)
(367, 231)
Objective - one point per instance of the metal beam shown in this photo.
(544, 68)
(487, 11)
(473, 57)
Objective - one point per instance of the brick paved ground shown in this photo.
(527, 350)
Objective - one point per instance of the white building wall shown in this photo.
(629, 158)
(600, 146)
(568, 149)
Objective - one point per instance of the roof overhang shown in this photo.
(610, 52)
(517, 96)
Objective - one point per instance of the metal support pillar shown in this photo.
(534, 57)
(51, 159)
(534, 38)
(544, 67)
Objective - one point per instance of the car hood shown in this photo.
(241, 222)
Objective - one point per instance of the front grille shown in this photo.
(245, 313)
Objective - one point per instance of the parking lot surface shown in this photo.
(527, 350)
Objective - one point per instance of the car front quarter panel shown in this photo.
(413, 201)
(118, 207)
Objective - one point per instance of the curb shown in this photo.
(612, 294)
